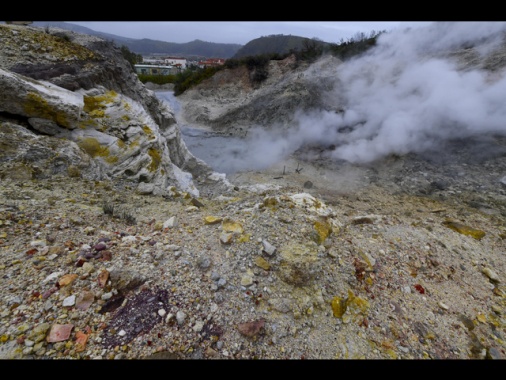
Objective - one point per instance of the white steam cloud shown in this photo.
(407, 94)
(415, 90)
(409, 98)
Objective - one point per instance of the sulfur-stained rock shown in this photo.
(212, 219)
(323, 230)
(244, 238)
(465, 230)
(229, 225)
(354, 305)
(339, 306)
(312, 204)
(369, 260)
(79, 89)
(358, 295)
(299, 263)
(20, 147)
(39, 332)
(32, 99)
(262, 263)
(491, 274)
(271, 202)
(247, 280)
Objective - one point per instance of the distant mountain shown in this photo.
(194, 48)
(277, 43)
(84, 30)
(280, 44)
(146, 46)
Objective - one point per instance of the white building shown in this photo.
(156, 70)
(153, 61)
(176, 62)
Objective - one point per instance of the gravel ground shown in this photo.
(282, 267)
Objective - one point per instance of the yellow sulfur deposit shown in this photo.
(463, 229)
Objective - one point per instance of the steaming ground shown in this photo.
(415, 90)
(433, 94)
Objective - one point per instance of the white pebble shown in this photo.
(491, 274)
(199, 325)
(180, 317)
(106, 296)
(69, 301)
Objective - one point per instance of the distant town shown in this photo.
(173, 65)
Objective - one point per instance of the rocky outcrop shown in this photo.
(25, 155)
(79, 102)
(232, 102)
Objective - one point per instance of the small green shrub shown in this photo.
(130, 56)
(108, 209)
(128, 217)
(125, 215)
(190, 78)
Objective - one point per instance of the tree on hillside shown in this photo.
(131, 56)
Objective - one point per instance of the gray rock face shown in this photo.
(231, 102)
(26, 155)
(29, 98)
(72, 101)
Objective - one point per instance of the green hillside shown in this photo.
(278, 44)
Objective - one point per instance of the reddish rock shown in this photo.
(84, 300)
(81, 339)
(59, 333)
(103, 277)
(251, 329)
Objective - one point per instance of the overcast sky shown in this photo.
(241, 32)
